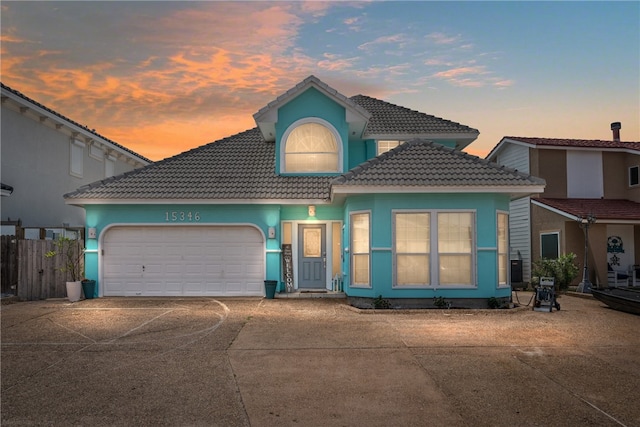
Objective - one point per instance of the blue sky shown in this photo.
(164, 77)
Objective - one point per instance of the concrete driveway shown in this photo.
(254, 362)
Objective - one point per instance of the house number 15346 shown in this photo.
(174, 216)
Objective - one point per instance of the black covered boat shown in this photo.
(623, 299)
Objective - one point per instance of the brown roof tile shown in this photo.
(603, 209)
(585, 143)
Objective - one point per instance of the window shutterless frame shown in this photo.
(442, 246)
(360, 248)
(502, 240)
(550, 244)
(335, 156)
(634, 176)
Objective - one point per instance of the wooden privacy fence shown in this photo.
(39, 277)
(9, 277)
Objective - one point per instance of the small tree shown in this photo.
(72, 254)
(563, 270)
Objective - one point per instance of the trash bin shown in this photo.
(270, 288)
(89, 288)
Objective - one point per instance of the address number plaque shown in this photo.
(181, 216)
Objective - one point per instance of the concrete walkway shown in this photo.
(316, 362)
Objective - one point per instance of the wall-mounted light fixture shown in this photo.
(92, 233)
(312, 210)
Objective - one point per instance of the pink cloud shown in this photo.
(202, 65)
(441, 38)
(455, 72)
(336, 63)
(504, 83)
(397, 39)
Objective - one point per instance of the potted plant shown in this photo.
(72, 264)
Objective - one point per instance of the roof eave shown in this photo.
(515, 191)
(504, 141)
(579, 218)
(156, 201)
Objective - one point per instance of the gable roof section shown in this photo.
(267, 116)
(240, 168)
(605, 210)
(423, 166)
(390, 121)
(564, 144)
(59, 119)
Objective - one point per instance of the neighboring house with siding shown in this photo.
(584, 178)
(312, 199)
(45, 155)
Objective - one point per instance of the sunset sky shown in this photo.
(164, 77)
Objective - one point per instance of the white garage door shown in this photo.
(183, 261)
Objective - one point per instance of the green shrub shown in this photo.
(562, 269)
(381, 302)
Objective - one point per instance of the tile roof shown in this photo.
(424, 163)
(602, 209)
(238, 167)
(85, 128)
(584, 143)
(389, 119)
(242, 167)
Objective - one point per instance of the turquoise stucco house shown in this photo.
(327, 193)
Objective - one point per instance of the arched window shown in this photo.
(311, 146)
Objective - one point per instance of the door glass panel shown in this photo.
(312, 243)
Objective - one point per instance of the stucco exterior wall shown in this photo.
(632, 193)
(381, 207)
(551, 165)
(308, 105)
(572, 241)
(614, 176)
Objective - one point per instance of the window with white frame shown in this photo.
(412, 249)
(96, 152)
(384, 146)
(455, 243)
(550, 245)
(311, 146)
(433, 247)
(634, 178)
(360, 249)
(76, 158)
(503, 248)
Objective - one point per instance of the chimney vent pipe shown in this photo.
(615, 127)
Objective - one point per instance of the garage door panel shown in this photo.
(173, 287)
(207, 260)
(214, 288)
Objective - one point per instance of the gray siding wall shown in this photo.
(520, 234)
(514, 156)
(35, 161)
